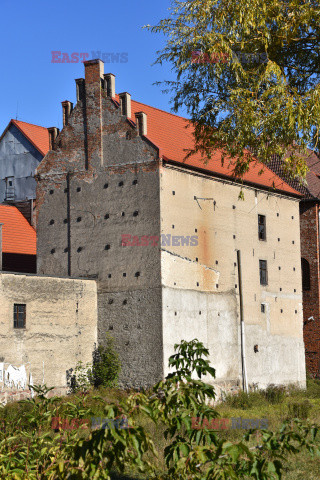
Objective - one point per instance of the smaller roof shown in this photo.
(37, 136)
(17, 234)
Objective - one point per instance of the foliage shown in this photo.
(190, 453)
(106, 365)
(253, 85)
(80, 379)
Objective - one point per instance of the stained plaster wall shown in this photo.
(61, 325)
(200, 283)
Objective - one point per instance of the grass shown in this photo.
(275, 404)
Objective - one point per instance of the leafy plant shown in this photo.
(106, 365)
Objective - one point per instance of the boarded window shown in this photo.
(263, 272)
(19, 316)
(262, 231)
(305, 269)
(10, 189)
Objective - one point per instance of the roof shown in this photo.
(169, 133)
(311, 189)
(37, 136)
(17, 234)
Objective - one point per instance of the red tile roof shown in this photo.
(17, 234)
(38, 136)
(169, 133)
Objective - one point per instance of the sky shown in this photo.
(33, 84)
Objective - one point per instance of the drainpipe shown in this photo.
(243, 352)
(1, 246)
(68, 224)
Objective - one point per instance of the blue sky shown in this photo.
(32, 87)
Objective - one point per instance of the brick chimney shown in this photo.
(125, 104)
(141, 122)
(94, 79)
(110, 84)
(53, 133)
(67, 108)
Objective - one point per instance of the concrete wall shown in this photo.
(18, 159)
(61, 325)
(200, 283)
(114, 191)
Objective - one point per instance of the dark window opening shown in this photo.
(120, 184)
(51, 222)
(105, 185)
(305, 268)
(19, 316)
(134, 182)
(262, 232)
(263, 272)
(263, 308)
(78, 189)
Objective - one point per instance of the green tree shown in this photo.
(106, 365)
(255, 87)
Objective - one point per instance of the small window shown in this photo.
(263, 308)
(263, 272)
(19, 316)
(262, 227)
(305, 268)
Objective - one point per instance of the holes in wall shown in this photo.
(78, 189)
(234, 264)
(281, 311)
(51, 222)
(256, 348)
(234, 207)
(197, 284)
(200, 312)
(292, 217)
(234, 236)
(109, 275)
(79, 249)
(124, 302)
(65, 220)
(124, 274)
(277, 214)
(236, 286)
(137, 274)
(217, 285)
(278, 239)
(79, 219)
(263, 308)
(66, 250)
(217, 262)
(122, 214)
(172, 226)
(53, 250)
(106, 185)
(296, 311)
(196, 230)
(294, 290)
(173, 192)
(135, 213)
(175, 313)
(110, 327)
(127, 344)
(106, 216)
(196, 259)
(280, 289)
(134, 182)
(279, 268)
(294, 269)
(292, 242)
(51, 192)
(65, 190)
(107, 247)
(120, 184)
(110, 301)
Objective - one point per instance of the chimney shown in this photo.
(141, 121)
(94, 81)
(110, 84)
(125, 104)
(53, 133)
(81, 89)
(67, 108)
(0, 247)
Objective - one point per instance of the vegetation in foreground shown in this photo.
(162, 441)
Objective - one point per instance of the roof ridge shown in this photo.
(28, 123)
(164, 111)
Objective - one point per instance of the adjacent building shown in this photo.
(22, 147)
(174, 250)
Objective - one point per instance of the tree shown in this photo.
(248, 74)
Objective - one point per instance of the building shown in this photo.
(310, 258)
(18, 242)
(162, 237)
(22, 147)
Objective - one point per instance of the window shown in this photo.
(262, 227)
(19, 316)
(305, 268)
(263, 272)
(9, 188)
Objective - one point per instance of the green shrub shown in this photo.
(299, 410)
(274, 393)
(106, 365)
(244, 400)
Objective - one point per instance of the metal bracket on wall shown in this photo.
(200, 198)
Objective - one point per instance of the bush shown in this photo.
(106, 365)
(299, 410)
(275, 393)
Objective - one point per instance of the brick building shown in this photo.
(310, 259)
(163, 238)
